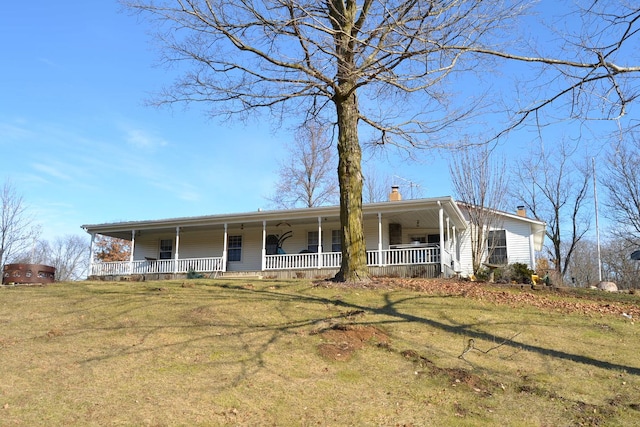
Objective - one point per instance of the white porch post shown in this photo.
(224, 249)
(133, 245)
(448, 235)
(177, 257)
(263, 261)
(441, 223)
(91, 249)
(319, 242)
(455, 245)
(532, 251)
(380, 263)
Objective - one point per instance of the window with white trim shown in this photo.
(336, 241)
(234, 248)
(166, 249)
(313, 241)
(497, 247)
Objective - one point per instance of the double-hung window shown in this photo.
(166, 249)
(234, 248)
(497, 247)
(336, 241)
(313, 241)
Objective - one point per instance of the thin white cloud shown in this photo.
(13, 132)
(180, 190)
(54, 171)
(49, 62)
(144, 140)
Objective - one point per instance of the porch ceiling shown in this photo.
(415, 219)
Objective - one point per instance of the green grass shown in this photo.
(216, 352)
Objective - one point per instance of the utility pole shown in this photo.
(595, 199)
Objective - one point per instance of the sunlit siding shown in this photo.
(198, 244)
(251, 256)
(298, 239)
(466, 261)
(518, 245)
(518, 242)
(371, 235)
(148, 245)
(327, 228)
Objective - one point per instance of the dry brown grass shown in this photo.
(216, 352)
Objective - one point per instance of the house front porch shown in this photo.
(412, 260)
(403, 238)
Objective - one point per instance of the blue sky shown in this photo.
(79, 144)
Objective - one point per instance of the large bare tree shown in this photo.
(356, 63)
(307, 176)
(479, 183)
(621, 177)
(554, 185)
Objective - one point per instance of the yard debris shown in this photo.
(341, 341)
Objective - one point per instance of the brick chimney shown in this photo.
(521, 211)
(394, 196)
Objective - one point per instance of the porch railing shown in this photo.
(291, 261)
(409, 256)
(161, 266)
(387, 257)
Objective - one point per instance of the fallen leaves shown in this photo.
(514, 297)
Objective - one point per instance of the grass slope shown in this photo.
(295, 353)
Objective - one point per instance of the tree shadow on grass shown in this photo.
(390, 308)
(254, 351)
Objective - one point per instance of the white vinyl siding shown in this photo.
(251, 249)
(197, 244)
(519, 244)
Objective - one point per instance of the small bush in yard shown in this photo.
(192, 274)
(520, 273)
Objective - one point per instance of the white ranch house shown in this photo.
(410, 238)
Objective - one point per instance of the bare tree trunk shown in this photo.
(354, 258)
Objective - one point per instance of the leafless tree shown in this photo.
(68, 254)
(587, 67)
(555, 187)
(376, 186)
(583, 266)
(618, 267)
(307, 177)
(355, 63)
(621, 178)
(18, 230)
(479, 184)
